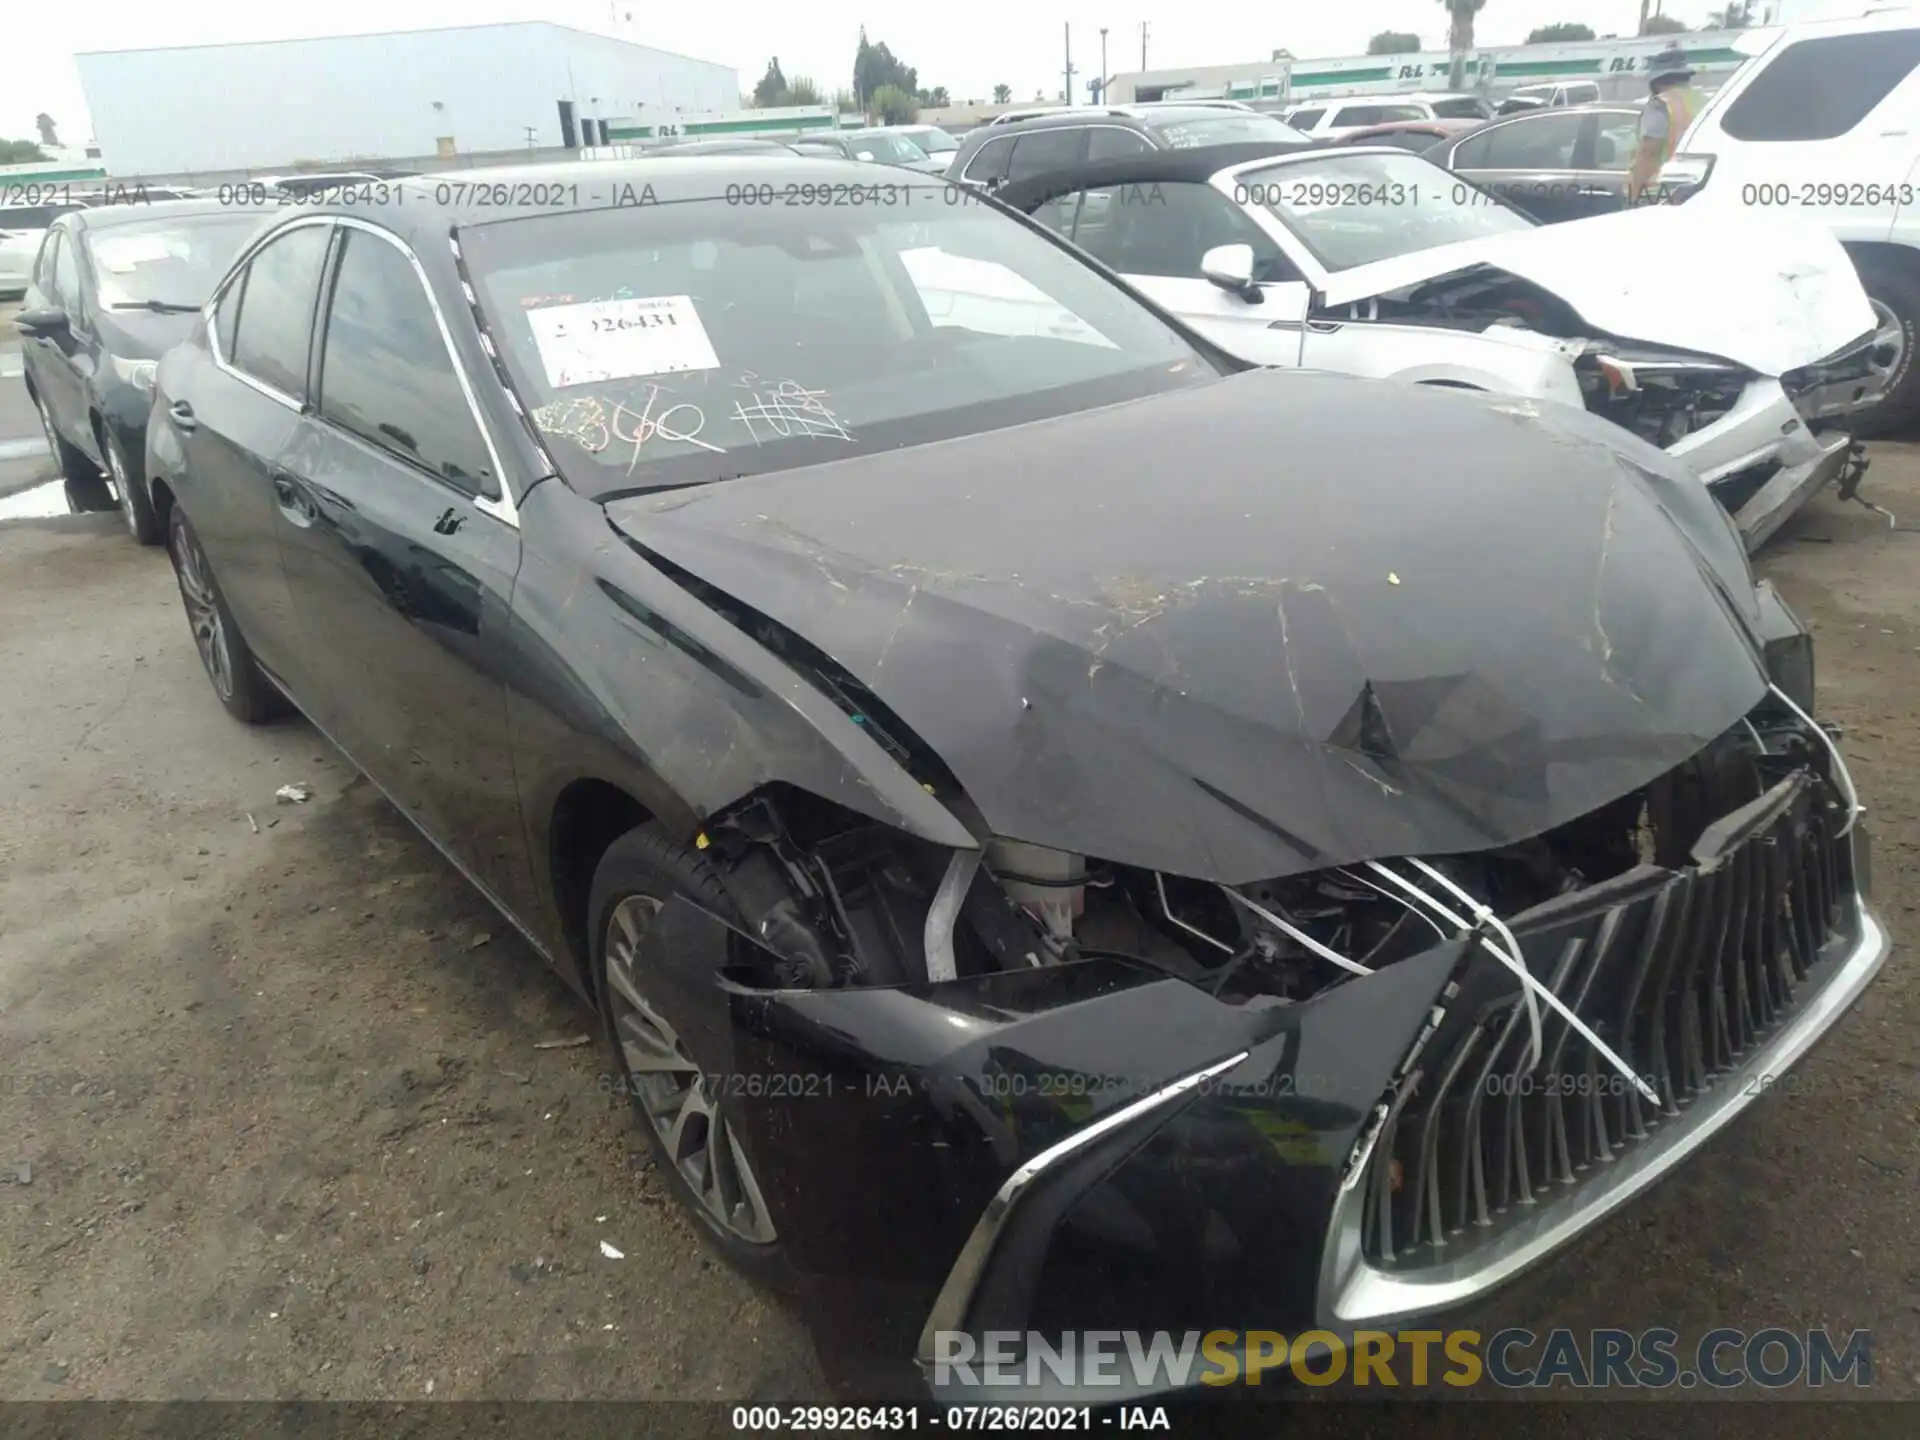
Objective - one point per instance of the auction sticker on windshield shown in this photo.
(617, 339)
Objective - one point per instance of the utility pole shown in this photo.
(1102, 96)
(1143, 44)
(1644, 5)
(1069, 91)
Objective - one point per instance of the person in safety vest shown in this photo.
(1670, 110)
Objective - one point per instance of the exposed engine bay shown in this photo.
(843, 900)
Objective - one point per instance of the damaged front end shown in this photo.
(1372, 887)
(1335, 1100)
(1763, 446)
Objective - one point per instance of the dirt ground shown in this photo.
(278, 1117)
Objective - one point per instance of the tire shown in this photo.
(638, 874)
(83, 477)
(1894, 290)
(246, 694)
(136, 505)
(90, 496)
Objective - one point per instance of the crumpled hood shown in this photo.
(1768, 292)
(1262, 626)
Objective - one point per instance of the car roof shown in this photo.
(1198, 164)
(426, 204)
(102, 217)
(1444, 124)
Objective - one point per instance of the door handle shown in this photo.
(181, 413)
(449, 522)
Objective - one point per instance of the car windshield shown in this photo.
(174, 262)
(1187, 130)
(700, 340)
(1354, 209)
(935, 142)
(887, 149)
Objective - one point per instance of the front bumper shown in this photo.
(1017, 1244)
(1764, 430)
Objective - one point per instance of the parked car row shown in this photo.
(985, 751)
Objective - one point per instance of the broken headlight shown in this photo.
(1661, 395)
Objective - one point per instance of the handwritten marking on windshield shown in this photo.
(663, 428)
(582, 419)
(789, 410)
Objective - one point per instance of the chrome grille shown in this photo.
(1684, 972)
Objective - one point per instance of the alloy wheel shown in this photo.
(203, 614)
(121, 492)
(679, 1100)
(1889, 330)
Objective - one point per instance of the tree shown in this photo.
(936, 98)
(1394, 42)
(1737, 16)
(1002, 94)
(875, 68)
(771, 87)
(845, 103)
(890, 105)
(1548, 34)
(1663, 25)
(1460, 15)
(44, 123)
(21, 152)
(802, 91)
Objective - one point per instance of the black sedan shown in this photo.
(113, 287)
(1057, 829)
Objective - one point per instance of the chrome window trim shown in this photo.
(503, 508)
(208, 312)
(985, 146)
(1354, 1292)
(956, 1295)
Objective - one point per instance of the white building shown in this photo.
(400, 95)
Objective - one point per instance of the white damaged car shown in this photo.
(1737, 346)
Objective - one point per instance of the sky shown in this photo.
(968, 47)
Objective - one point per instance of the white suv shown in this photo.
(1824, 121)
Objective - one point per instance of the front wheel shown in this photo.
(1894, 291)
(136, 506)
(246, 693)
(685, 1112)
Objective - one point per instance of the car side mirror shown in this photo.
(41, 323)
(1231, 268)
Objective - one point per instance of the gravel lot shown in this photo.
(274, 1077)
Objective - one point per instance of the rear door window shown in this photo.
(1041, 151)
(276, 312)
(1108, 142)
(1821, 88)
(1306, 119)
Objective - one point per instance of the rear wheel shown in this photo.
(1894, 291)
(246, 693)
(685, 1112)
